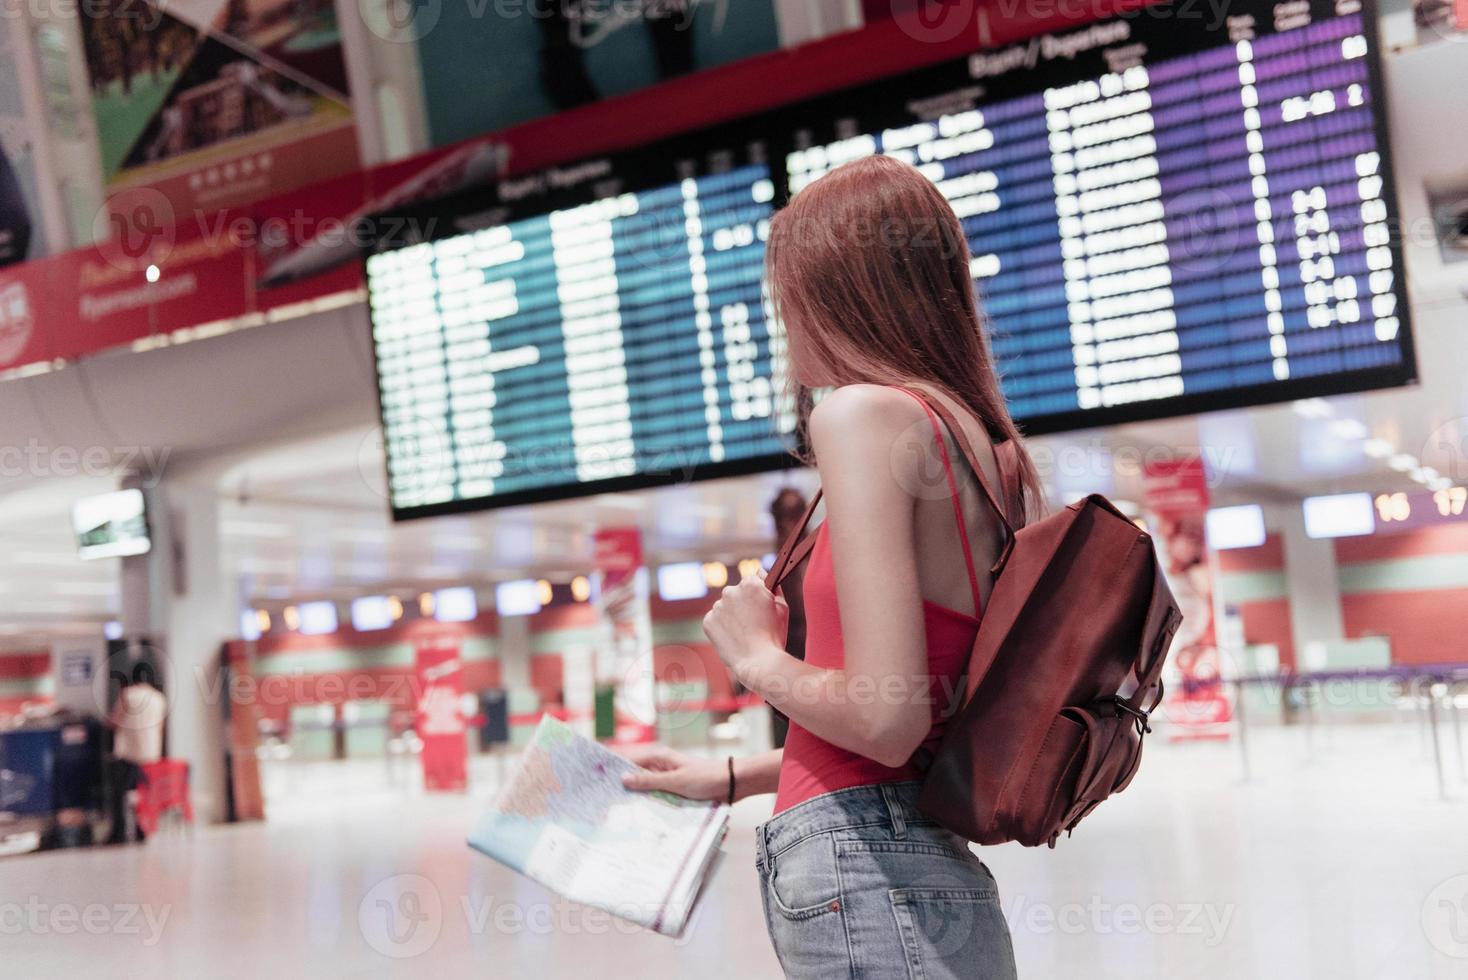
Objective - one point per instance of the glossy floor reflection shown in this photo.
(1338, 862)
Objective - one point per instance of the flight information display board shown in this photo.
(1166, 214)
(613, 337)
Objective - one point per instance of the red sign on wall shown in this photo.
(441, 724)
(1176, 496)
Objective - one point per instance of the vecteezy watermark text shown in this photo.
(41, 918)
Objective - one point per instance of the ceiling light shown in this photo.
(518, 598)
(1313, 408)
(318, 618)
(1377, 448)
(255, 529)
(1349, 429)
(373, 612)
(455, 605)
(1403, 462)
(249, 626)
(682, 580)
(580, 588)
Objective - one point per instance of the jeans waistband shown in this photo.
(889, 805)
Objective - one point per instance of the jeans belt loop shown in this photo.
(894, 811)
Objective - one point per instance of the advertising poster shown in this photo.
(20, 233)
(1176, 497)
(441, 723)
(626, 610)
(212, 103)
(547, 56)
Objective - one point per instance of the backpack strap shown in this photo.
(1162, 621)
(1004, 460)
(968, 557)
(795, 549)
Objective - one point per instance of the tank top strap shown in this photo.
(968, 558)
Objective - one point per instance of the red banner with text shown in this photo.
(441, 722)
(1176, 497)
(625, 660)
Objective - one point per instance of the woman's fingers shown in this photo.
(666, 781)
(649, 756)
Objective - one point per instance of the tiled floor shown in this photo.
(1339, 864)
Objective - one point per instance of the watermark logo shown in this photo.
(401, 916)
(1202, 235)
(933, 21)
(135, 229)
(1446, 446)
(1445, 917)
(1441, 18)
(401, 21)
(134, 664)
(428, 453)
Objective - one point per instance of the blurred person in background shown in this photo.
(136, 720)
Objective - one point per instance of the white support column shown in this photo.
(178, 597)
(512, 646)
(1312, 582)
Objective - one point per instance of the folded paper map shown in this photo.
(565, 820)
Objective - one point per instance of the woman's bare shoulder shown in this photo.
(855, 411)
(862, 424)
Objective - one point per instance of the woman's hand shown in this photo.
(673, 772)
(747, 627)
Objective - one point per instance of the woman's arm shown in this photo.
(702, 779)
(880, 704)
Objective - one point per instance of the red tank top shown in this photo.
(813, 766)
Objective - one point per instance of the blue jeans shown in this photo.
(857, 883)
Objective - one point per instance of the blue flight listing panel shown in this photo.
(1165, 216)
(593, 343)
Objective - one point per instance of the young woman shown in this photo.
(869, 270)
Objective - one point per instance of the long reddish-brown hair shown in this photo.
(869, 270)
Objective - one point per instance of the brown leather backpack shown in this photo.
(1064, 674)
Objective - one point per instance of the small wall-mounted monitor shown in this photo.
(111, 525)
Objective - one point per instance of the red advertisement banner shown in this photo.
(626, 659)
(441, 722)
(1176, 496)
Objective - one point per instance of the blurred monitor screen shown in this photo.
(1341, 515)
(1165, 216)
(111, 525)
(1236, 527)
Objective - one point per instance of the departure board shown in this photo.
(617, 339)
(1167, 214)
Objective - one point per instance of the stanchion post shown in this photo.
(1437, 750)
(1238, 686)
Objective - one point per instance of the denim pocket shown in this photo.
(803, 881)
(953, 932)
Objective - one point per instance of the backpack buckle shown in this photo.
(1124, 707)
